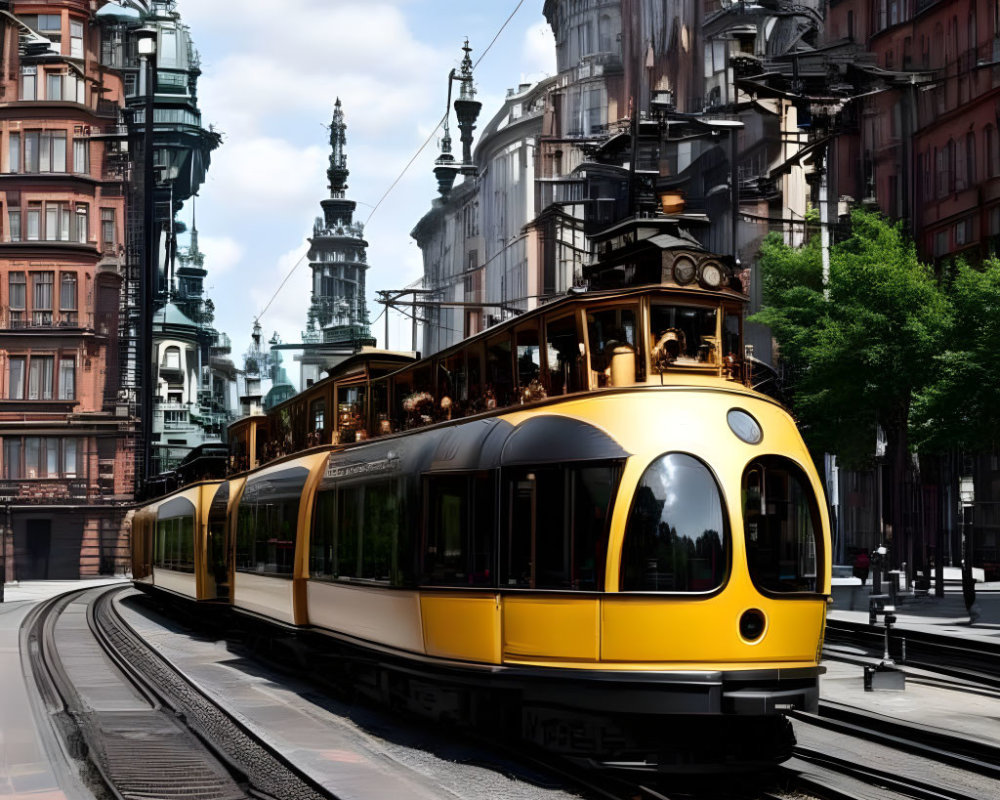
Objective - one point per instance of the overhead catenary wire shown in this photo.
(409, 163)
(443, 118)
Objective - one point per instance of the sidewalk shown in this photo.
(32, 766)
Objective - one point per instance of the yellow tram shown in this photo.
(581, 523)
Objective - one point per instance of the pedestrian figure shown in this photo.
(861, 566)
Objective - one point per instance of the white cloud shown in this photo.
(222, 253)
(268, 84)
(538, 52)
(265, 174)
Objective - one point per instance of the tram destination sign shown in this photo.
(377, 467)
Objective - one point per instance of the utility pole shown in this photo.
(146, 46)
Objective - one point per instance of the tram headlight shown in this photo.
(685, 270)
(710, 274)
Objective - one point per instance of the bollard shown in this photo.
(885, 675)
(875, 603)
(889, 617)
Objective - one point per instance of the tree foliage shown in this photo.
(857, 356)
(959, 407)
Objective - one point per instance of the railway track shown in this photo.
(124, 713)
(842, 749)
(971, 661)
(197, 750)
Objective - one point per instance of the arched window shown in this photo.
(676, 538)
(171, 358)
(782, 527)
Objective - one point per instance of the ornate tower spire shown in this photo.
(194, 253)
(337, 173)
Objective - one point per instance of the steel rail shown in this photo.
(268, 773)
(921, 740)
(75, 722)
(842, 766)
(971, 660)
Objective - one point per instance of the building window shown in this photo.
(18, 290)
(52, 151)
(75, 39)
(14, 216)
(81, 156)
(39, 457)
(57, 222)
(31, 160)
(29, 78)
(51, 26)
(67, 379)
(14, 153)
(82, 223)
(53, 86)
(40, 377)
(107, 229)
(67, 291)
(15, 377)
(69, 458)
(34, 222)
(11, 458)
(171, 358)
(41, 297)
(166, 55)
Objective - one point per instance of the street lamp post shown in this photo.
(146, 46)
(967, 495)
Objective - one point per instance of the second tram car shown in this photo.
(582, 524)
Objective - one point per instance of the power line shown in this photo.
(281, 286)
(408, 163)
(443, 118)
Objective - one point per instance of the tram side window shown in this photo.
(529, 364)
(676, 539)
(499, 373)
(459, 531)
(563, 348)
(362, 532)
(175, 544)
(381, 417)
(557, 521)
(608, 329)
(267, 523)
(782, 529)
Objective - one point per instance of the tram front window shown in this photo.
(684, 335)
(676, 539)
(781, 525)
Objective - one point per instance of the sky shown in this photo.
(270, 76)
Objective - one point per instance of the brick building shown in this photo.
(66, 457)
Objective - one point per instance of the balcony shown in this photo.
(45, 321)
(44, 491)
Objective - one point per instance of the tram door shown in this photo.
(218, 565)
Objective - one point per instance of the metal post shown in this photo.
(413, 306)
(148, 287)
(734, 190)
(385, 342)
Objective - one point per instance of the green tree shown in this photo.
(958, 408)
(857, 356)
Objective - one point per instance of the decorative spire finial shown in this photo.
(338, 172)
